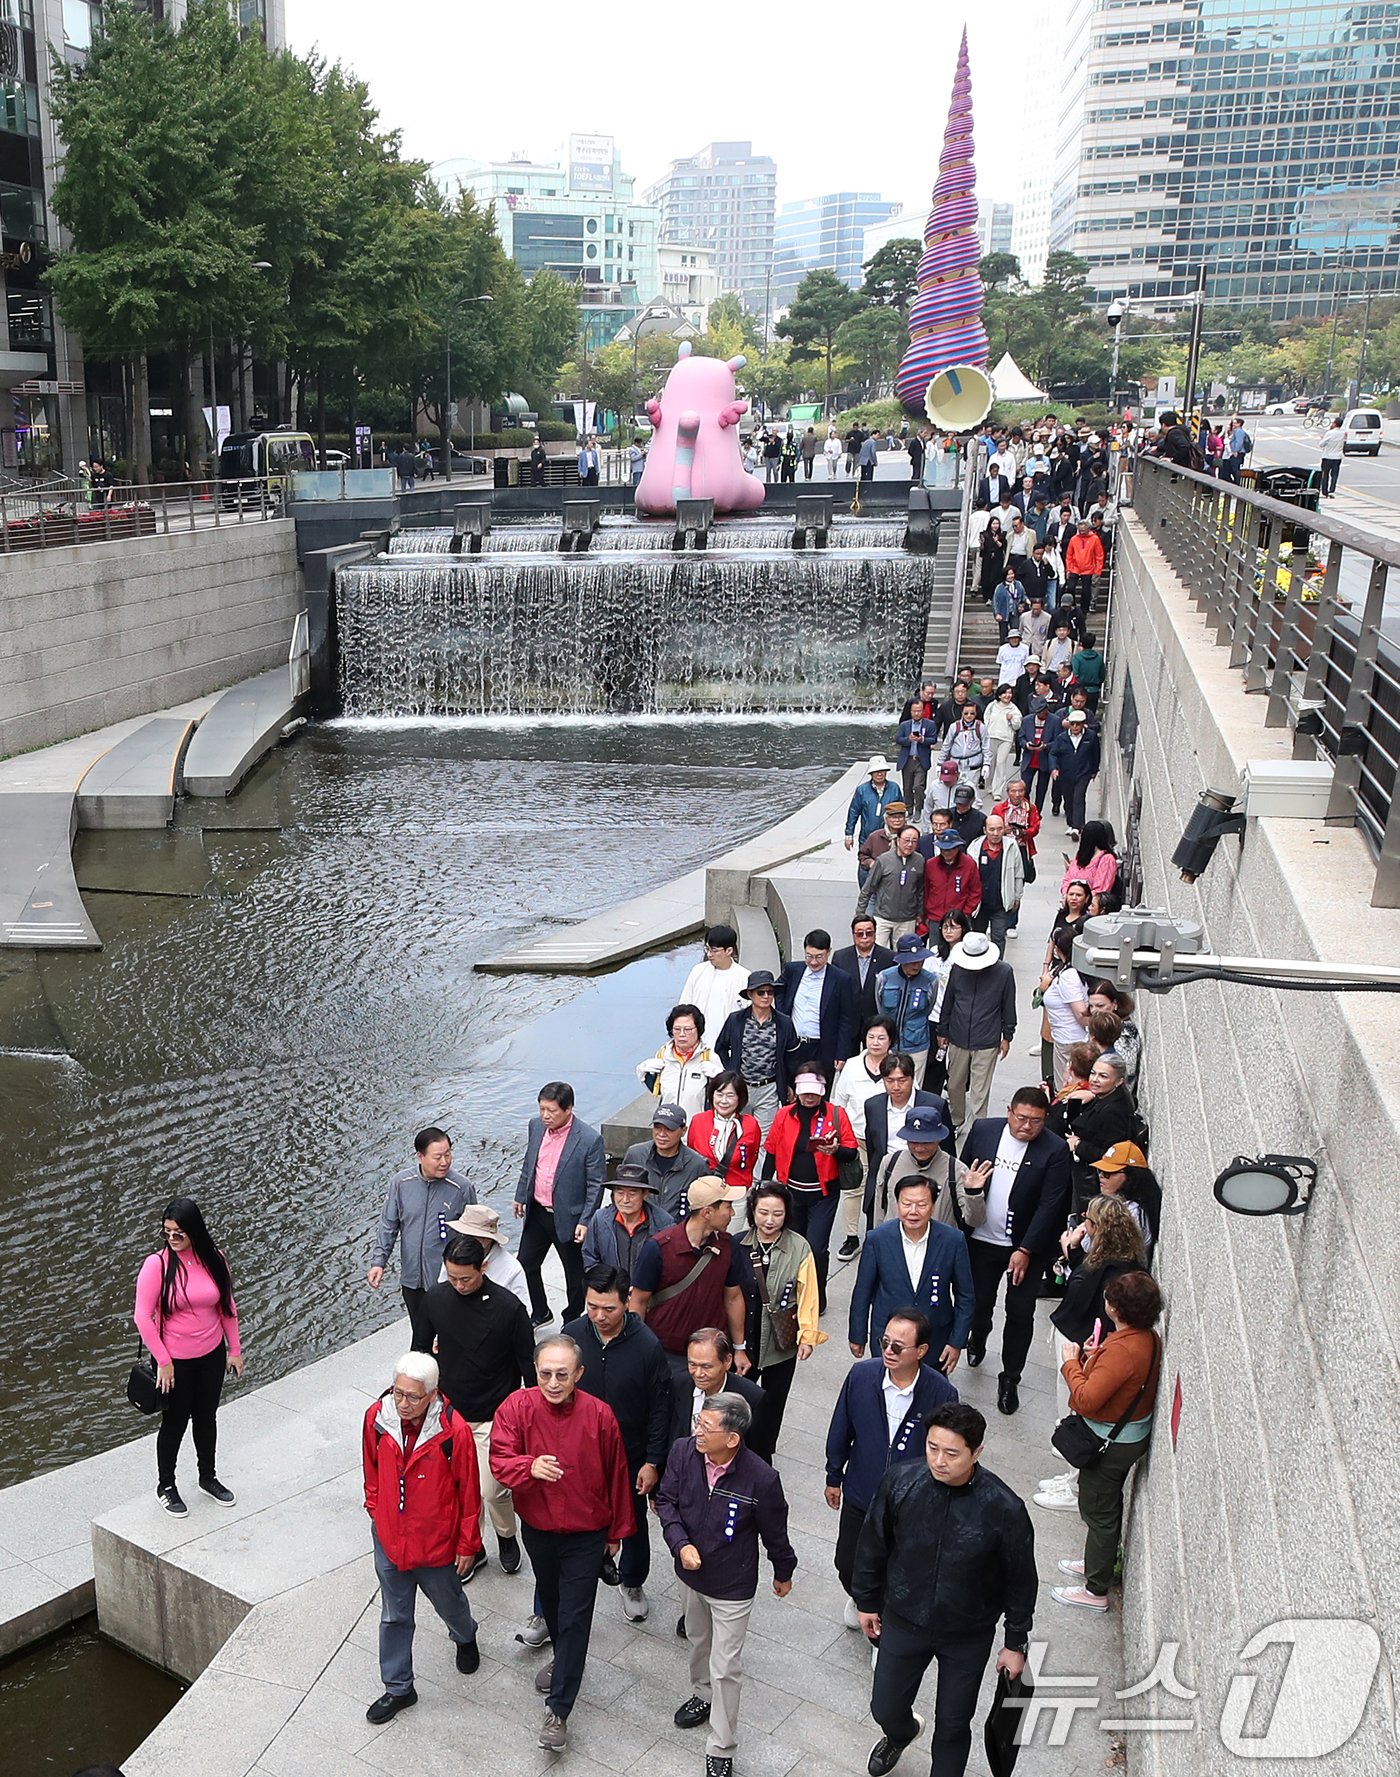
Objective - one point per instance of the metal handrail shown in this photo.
(971, 467)
(61, 517)
(1296, 636)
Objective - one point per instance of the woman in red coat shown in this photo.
(806, 1143)
(724, 1134)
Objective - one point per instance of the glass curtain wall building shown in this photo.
(824, 233)
(1261, 140)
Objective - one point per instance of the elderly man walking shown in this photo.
(976, 1023)
(718, 1502)
(561, 1454)
(421, 1201)
(423, 1499)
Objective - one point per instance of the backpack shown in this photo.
(1248, 444)
(1198, 457)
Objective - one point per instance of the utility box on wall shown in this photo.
(1298, 788)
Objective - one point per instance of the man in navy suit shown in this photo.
(561, 1184)
(819, 999)
(885, 1117)
(1016, 1196)
(915, 1259)
(877, 1422)
(862, 960)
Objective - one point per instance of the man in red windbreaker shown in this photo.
(951, 880)
(560, 1452)
(423, 1495)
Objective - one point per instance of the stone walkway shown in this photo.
(310, 1661)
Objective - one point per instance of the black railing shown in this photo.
(1299, 600)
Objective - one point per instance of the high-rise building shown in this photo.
(686, 278)
(824, 233)
(995, 226)
(1262, 140)
(723, 197)
(903, 225)
(576, 218)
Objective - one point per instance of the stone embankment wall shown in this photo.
(100, 632)
(1279, 1500)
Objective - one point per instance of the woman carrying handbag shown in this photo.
(782, 1313)
(187, 1316)
(1112, 1394)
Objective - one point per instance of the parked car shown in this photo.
(1281, 407)
(1361, 432)
(335, 459)
(463, 463)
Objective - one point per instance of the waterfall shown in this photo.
(630, 536)
(767, 629)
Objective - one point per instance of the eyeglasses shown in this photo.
(174, 1234)
(402, 1394)
(893, 1346)
(763, 993)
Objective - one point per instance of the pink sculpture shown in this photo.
(695, 452)
(946, 335)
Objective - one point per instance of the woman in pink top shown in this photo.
(187, 1316)
(1094, 862)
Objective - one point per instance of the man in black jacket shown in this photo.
(946, 1549)
(485, 1350)
(624, 1365)
(1019, 1172)
(862, 960)
(976, 1023)
(818, 999)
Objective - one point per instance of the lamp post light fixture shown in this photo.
(1272, 1185)
(447, 403)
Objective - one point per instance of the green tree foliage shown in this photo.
(821, 304)
(770, 380)
(890, 275)
(728, 316)
(999, 269)
(873, 340)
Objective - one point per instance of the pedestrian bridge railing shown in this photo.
(1299, 599)
(60, 516)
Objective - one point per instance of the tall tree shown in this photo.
(728, 313)
(891, 274)
(873, 340)
(999, 269)
(821, 304)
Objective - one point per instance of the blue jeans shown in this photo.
(398, 1590)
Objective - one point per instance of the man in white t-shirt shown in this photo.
(716, 984)
(1021, 1171)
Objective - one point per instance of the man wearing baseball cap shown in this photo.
(951, 880)
(690, 1276)
(668, 1164)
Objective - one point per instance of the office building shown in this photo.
(687, 279)
(824, 233)
(995, 226)
(723, 197)
(576, 217)
(1260, 140)
(905, 224)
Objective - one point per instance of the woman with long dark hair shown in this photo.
(187, 1316)
(1095, 862)
(992, 550)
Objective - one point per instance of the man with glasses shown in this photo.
(424, 1499)
(561, 1454)
(820, 1001)
(1015, 1196)
(881, 1406)
(422, 1200)
(913, 1259)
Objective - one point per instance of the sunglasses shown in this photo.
(893, 1346)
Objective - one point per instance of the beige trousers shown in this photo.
(969, 1083)
(495, 1499)
(715, 1629)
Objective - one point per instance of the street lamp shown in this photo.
(1114, 317)
(447, 405)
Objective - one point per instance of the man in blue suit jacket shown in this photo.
(560, 1186)
(899, 1387)
(915, 1246)
(820, 1001)
(1015, 1196)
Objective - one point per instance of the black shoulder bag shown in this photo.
(141, 1389)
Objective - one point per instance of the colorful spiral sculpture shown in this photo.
(946, 335)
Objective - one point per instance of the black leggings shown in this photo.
(775, 1380)
(194, 1395)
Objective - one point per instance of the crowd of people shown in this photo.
(838, 1113)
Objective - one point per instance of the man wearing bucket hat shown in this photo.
(502, 1266)
(866, 814)
(626, 1220)
(976, 1023)
(760, 1045)
(1074, 764)
(912, 1258)
(906, 994)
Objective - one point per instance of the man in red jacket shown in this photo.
(1083, 563)
(423, 1496)
(951, 880)
(561, 1454)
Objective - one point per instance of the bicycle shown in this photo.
(1315, 419)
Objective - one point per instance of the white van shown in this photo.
(1361, 431)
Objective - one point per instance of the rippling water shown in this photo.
(290, 994)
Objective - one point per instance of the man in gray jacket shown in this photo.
(894, 889)
(976, 1023)
(668, 1163)
(422, 1200)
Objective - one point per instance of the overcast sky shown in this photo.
(853, 98)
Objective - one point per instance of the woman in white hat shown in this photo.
(501, 1266)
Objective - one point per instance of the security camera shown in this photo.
(1211, 820)
(1114, 316)
(1136, 945)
